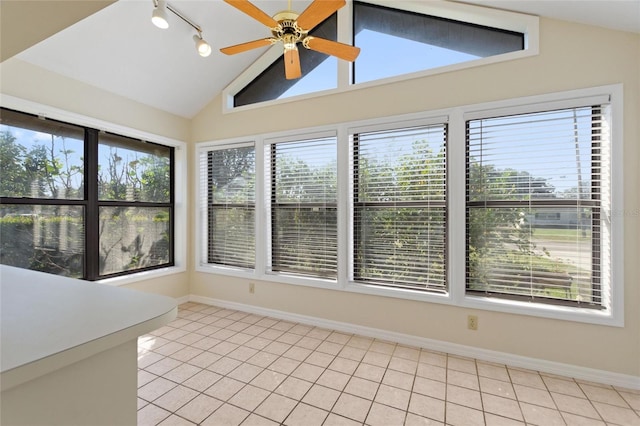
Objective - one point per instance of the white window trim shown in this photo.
(614, 316)
(180, 178)
(511, 21)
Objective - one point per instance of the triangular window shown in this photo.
(319, 72)
(393, 43)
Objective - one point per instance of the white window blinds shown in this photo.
(303, 176)
(537, 184)
(399, 203)
(230, 215)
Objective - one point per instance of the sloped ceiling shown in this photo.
(118, 49)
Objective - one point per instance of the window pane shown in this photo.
(545, 252)
(535, 192)
(400, 207)
(131, 170)
(304, 212)
(232, 237)
(43, 238)
(230, 182)
(509, 157)
(134, 237)
(395, 42)
(40, 158)
(402, 247)
(305, 240)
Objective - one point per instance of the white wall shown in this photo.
(572, 56)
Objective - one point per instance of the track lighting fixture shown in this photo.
(159, 15)
(159, 19)
(202, 46)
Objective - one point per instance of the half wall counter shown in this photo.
(68, 348)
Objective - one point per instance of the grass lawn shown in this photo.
(553, 234)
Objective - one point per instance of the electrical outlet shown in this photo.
(252, 288)
(472, 322)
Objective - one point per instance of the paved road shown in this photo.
(576, 253)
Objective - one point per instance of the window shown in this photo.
(537, 184)
(134, 204)
(399, 207)
(303, 176)
(230, 193)
(395, 42)
(407, 40)
(82, 203)
(507, 206)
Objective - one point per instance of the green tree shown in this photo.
(14, 181)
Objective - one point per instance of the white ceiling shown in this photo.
(118, 49)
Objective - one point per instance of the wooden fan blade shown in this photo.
(243, 47)
(292, 64)
(253, 11)
(333, 48)
(317, 12)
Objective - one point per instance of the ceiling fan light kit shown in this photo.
(159, 19)
(290, 28)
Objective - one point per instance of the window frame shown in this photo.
(455, 117)
(205, 193)
(270, 155)
(95, 126)
(473, 14)
(399, 126)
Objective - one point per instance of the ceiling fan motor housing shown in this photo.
(287, 26)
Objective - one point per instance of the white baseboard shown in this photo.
(551, 367)
(184, 299)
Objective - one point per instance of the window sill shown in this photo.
(541, 310)
(142, 276)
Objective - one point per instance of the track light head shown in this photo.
(159, 15)
(204, 49)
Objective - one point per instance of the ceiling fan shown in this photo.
(290, 28)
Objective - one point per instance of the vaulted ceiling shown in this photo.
(117, 49)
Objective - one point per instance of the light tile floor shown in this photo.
(214, 366)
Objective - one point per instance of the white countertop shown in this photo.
(48, 322)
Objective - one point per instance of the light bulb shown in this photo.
(289, 42)
(202, 46)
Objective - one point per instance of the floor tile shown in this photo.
(617, 415)
(393, 397)
(307, 415)
(276, 407)
(226, 415)
(151, 415)
(321, 397)
(362, 387)
(176, 398)
(383, 415)
(574, 405)
(504, 407)
(199, 408)
(352, 407)
(541, 416)
(534, 396)
(457, 415)
(174, 420)
(249, 397)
